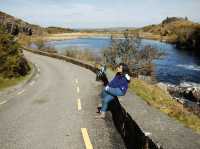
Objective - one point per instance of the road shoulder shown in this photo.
(21, 84)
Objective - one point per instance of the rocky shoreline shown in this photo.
(187, 94)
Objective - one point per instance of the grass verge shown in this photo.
(158, 98)
(5, 82)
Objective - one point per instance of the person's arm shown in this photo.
(121, 86)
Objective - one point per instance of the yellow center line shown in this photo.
(86, 138)
(79, 104)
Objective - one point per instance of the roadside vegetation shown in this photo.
(40, 45)
(8, 82)
(24, 40)
(83, 55)
(5, 82)
(13, 65)
(157, 97)
(12, 61)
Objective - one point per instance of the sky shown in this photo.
(100, 13)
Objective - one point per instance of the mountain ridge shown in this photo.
(15, 25)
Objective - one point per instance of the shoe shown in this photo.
(98, 110)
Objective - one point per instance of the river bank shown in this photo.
(158, 97)
(76, 35)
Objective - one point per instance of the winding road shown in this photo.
(56, 110)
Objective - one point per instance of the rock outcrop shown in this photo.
(185, 91)
(15, 26)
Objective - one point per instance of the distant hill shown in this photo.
(109, 29)
(57, 30)
(168, 29)
(15, 25)
(180, 31)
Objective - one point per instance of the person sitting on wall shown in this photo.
(117, 87)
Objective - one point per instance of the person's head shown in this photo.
(122, 68)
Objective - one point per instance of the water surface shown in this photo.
(176, 67)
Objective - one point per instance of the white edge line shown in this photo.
(3, 102)
(19, 93)
(32, 83)
(37, 75)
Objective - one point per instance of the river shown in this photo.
(176, 67)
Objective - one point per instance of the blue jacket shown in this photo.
(119, 81)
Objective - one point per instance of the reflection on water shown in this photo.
(177, 66)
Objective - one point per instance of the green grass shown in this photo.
(5, 82)
(158, 98)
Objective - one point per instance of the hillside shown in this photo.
(14, 26)
(58, 30)
(12, 62)
(180, 31)
(15, 32)
(106, 30)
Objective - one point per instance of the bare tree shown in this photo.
(128, 50)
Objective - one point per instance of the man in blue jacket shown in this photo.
(117, 87)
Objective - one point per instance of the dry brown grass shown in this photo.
(158, 98)
(84, 55)
(24, 40)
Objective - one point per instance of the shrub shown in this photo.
(83, 54)
(24, 40)
(128, 50)
(40, 43)
(12, 61)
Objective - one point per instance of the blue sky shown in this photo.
(100, 13)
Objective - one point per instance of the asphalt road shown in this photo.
(56, 110)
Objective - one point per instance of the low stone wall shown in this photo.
(133, 136)
(65, 58)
